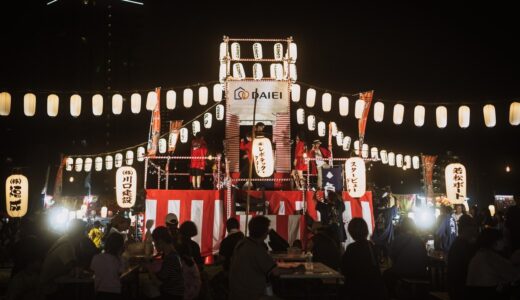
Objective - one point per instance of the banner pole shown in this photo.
(253, 135)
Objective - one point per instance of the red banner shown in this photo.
(362, 123)
(58, 183)
(175, 127)
(155, 125)
(428, 162)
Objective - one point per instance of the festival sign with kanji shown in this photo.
(16, 195)
(355, 176)
(263, 157)
(126, 186)
(456, 183)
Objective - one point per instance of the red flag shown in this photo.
(428, 162)
(175, 127)
(362, 123)
(155, 125)
(58, 183)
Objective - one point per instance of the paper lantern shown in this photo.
(384, 156)
(343, 106)
(333, 128)
(203, 95)
(217, 92)
(311, 122)
(16, 195)
(223, 51)
(183, 132)
(69, 163)
(208, 120)
(419, 113)
(187, 98)
(235, 51)
(379, 111)
(171, 99)
(222, 72)
(408, 161)
(339, 138)
(415, 162)
(117, 104)
(135, 103)
(464, 114)
(311, 97)
(356, 147)
(295, 92)
(126, 186)
(278, 51)
(355, 174)
(78, 164)
(263, 157)
(441, 116)
(492, 210)
(103, 212)
(29, 104)
(129, 157)
(346, 143)
(75, 105)
(398, 114)
(238, 71)
(98, 164)
(293, 75)
(399, 160)
(53, 104)
(258, 73)
(162, 145)
(5, 104)
(195, 127)
(140, 154)
(391, 159)
(364, 151)
(358, 109)
(88, 164)
(326, 102)
(300, 116)
(456, 183)
(97, 105)
(490, 117)
(276, 71)
(151, 100)
(257, 51)
(118, 160)
(109, 162)
(293, 52)
(514, 114)
(322, 128)
(374, 153)
(219, 112)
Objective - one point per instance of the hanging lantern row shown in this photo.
(117, 101)
(291, 54)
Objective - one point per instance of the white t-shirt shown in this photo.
(319, 158)
(107, 269)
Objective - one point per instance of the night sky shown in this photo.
(408, 53)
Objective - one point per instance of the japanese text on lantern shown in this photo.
(16, 189)
(456, 183)
(126, 186)
(355, 176)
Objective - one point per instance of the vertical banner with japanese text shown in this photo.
(126, 186)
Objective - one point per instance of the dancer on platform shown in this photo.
(197, 165)
(299, 163)
(317, 165)
(247, 146)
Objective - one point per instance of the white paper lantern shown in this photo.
(399, 160)
(5, 104)
(98, 164)
(129, 157)
(103, 212)
(276, 71)
(126, 186)
(293, 74)
(235, 50)
(238, 71)
(109, 162)
(222, 72)
(203, 95)
(464, 114)
(223, 51)
(358, 109)
(311, 97)
(217, 92)
(117, 104)
(78, 164)
(195, 127)
(208, 120)
(16, 195)
(258, 73)
(140, 154)
(183, 132)
(456, 183)
(295, 92)
(333, 128)
(75, 105)
(293, 52)
(326, 102)
(415, 162)
(162, 145)
(321, 128)
(355, 174)
(374, 153)
(88, 164)
(343, 106)
(69, 162)
(300, 116)
(118, 160)
(339, 138)
(492, 210)
(379, 111)
(418, 115)
(187, 98)
(29, 104)
(384, 156)
(171, 99)
(53, 104)
(257, 51)
(407, 161)
(490, 117)
(151, 100)
(356, 147)
(135, 103)
(391, 159)
(97, 105)
(441, 114)
(219, 112)
(514, 113)
(346, 143)
(311, 122)
(398, 114)
(278, 51)
(263, 157)
(364, 151)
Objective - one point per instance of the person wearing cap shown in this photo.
(172, 223)
(320, 154)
